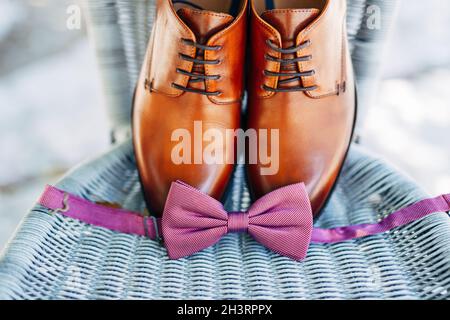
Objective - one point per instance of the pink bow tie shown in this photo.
(281, 221)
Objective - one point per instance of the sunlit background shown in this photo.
(52, 114)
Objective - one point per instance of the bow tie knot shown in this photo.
(193, 221)
(237, 222)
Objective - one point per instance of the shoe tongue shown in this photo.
(289, 23)
(204, 23)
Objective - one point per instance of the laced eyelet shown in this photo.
(198, 77)
(292, 76)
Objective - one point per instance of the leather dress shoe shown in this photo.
(301, 83)
(192, 73)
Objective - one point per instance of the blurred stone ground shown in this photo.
(52, 115)
(51, 112)
(409, 123)
(409, 126)
(51, 118)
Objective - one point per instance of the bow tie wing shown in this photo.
(282, 221)
(192, 221)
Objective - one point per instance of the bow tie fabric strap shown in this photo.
(238, 222)
(217, 225)
(396, 219)
(281, 221)
(110, 218)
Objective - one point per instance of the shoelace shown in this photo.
(285, 62)
(195, 77)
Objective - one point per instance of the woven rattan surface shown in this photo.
(54, 257)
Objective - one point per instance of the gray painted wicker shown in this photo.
(53, 257)
(119, 30)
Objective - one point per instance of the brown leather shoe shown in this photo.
(193, 71)
(302, 84)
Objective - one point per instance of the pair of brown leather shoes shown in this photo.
(189, 94)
